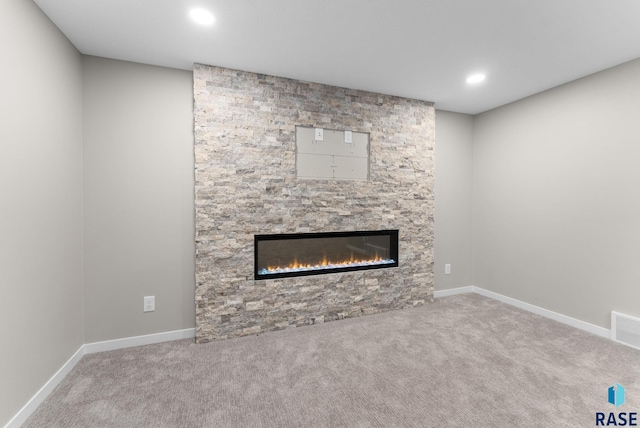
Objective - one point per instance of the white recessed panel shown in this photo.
(332, 158)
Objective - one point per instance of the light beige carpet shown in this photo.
(465, 361)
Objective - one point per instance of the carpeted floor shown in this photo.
(465, 361)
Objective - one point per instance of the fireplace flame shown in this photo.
(352, 261)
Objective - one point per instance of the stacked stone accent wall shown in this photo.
(246, 184)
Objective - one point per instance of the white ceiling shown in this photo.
(420, 49)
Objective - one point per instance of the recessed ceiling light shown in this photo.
(202, 16)
(476, 78)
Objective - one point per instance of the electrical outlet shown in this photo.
(447, 269)
(319, 134)
(348, 137)
(149, 303)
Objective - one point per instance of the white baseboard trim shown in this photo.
(90, 348)
(44, 392)
(582, 325)
(452, 291)
(147, 339)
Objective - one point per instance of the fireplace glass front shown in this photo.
(286, 255)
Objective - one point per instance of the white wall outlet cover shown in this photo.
(348, 137)
(319, 134)
(447, 269)
(149, 303)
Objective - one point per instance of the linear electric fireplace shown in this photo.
(299, 254)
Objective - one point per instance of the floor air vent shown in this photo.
(625, 329)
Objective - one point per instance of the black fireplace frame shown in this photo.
(393, 251)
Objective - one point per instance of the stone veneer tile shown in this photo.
(246, 185)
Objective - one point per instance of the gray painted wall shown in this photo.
(41, 191)
(138, 199)
(556, 207)
(454, 156)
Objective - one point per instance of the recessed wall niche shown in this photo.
(331, 154)
(246, 185)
